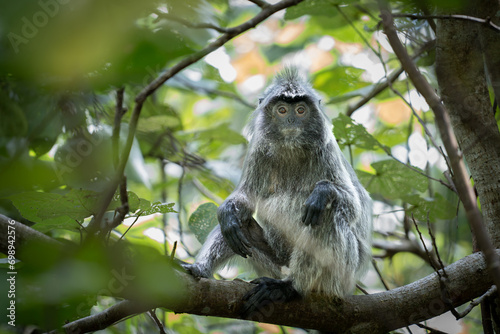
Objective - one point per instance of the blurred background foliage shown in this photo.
(61, 64)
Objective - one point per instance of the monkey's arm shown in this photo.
(234, 215)
(327, 194)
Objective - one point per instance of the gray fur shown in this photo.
(291, 167)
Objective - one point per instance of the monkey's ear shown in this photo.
(319, 102)
(260, 100)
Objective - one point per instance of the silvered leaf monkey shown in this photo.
(312, 226)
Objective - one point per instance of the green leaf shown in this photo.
(392, 179)
(339, 80)
(51, 211)
(437, 207)
(156, 207)
(30, 203)
(203, 220)
(157, 123)
(275, 52)
(348, 133)
(363, 91)
(77, 204)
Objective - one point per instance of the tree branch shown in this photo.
(23, 235)
(461, 178)
(378, 313)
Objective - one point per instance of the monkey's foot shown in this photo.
(268, 291)
(195, 270)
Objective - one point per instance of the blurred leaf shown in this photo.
(437, 207)
(51, 211)
(30, 203)
(339, 80)
(77, 205)
(156, 207)
(312, 7)
(158, 123)
(203, 220)
(348, 133)
(392, 179)
(147, 267)
(147, 52)
(220, 132)
(14, 123)
(275, 52)
(391, 135)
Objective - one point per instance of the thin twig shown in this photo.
(374, 263)
(222, 93)
(157, 321)
(362, 289)
(390, 79)
(487, 21)
(115, 137)
(478, 301)
(424, 126)
(123, 209)
(227, 36)
(425, 247)
(349, 21)
(136, 218)
(434, 245)
(174, 248)
(206, 192)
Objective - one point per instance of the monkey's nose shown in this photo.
(290, 120)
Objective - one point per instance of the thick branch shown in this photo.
(22, 235)
(461, 178)
(377, 313)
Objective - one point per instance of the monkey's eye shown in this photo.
(301, 110)
(282, 110)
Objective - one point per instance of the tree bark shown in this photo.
(460, 70)
(490, 43)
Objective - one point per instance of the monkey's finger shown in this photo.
(239, 243)
(309, 217)
(304, 214)
(314, 219)
(234, 237)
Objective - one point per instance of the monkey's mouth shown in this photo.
(291, 132)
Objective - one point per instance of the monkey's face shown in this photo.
(291, 119)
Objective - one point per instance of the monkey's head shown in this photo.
(289, 112)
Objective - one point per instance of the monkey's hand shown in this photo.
(232, 220)
(321, 197)
(196, 270)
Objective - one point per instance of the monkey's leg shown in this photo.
(214, 253)
(269, 257)
(268, 291)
